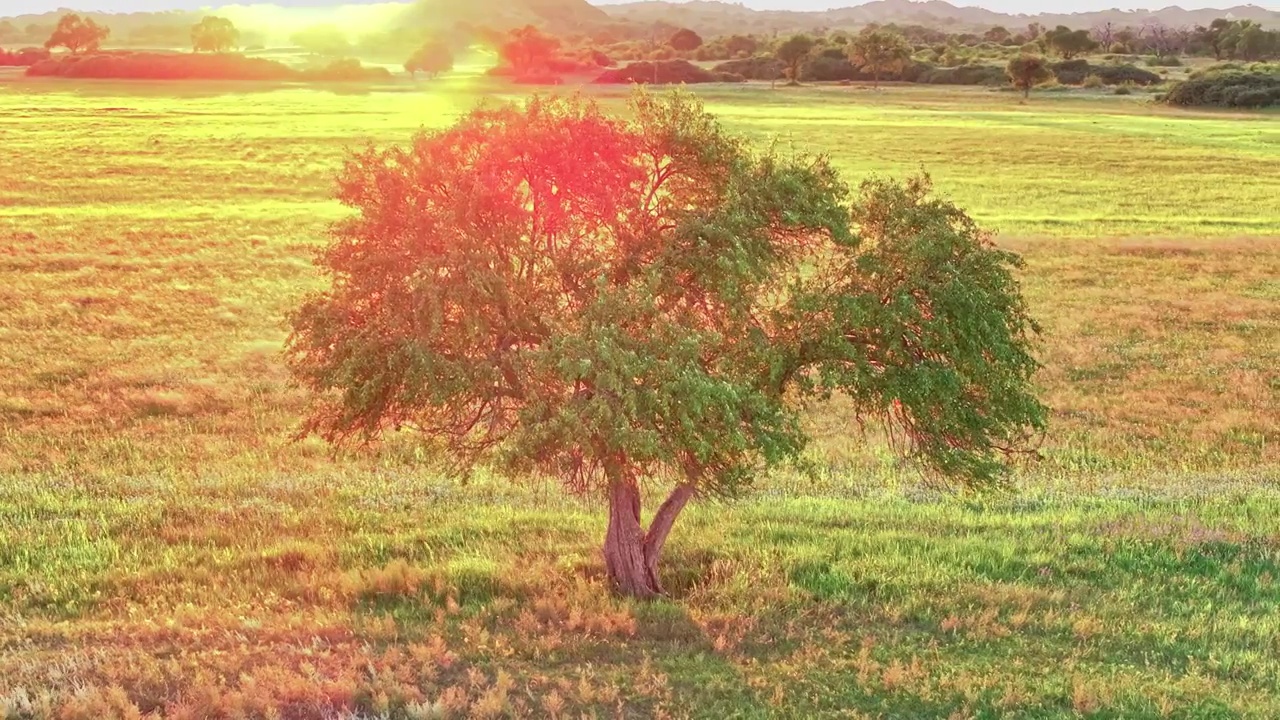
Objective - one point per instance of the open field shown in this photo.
(165, 547)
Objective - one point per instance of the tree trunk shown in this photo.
(631, 554)
(1026, 92)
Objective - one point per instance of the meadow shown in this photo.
(167, 547)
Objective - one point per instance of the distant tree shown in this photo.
(685, 40)
(214, 34)
(1068, 43)
(792, 53)
(879, 52)
(433, 58)
(997, 34)
(1027, 71)
(528, 50)
(1249, 41)
(1104, 34)
(1128, 37)
(549, 291)
(1211, 37)
(325, 40)
(741, 45)
(77, 34)
(8, 31)
(1159, 38)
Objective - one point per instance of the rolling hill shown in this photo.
(718, 18)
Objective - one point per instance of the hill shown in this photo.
(720, 18)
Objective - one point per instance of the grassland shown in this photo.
(165, 547)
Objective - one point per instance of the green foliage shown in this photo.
(433, 58)
(879, 52)
(685, 40)
(761, 67)
(665, 72)
(214, 34)
(1229, 86)
(1068, 43)
(793, 52)
(77, 34)
(650, 293)
(1027, 71)
(1165, 61)
(974, 74)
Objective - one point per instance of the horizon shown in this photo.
(1010, 7)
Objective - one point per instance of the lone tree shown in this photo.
(528, 51)
(214, 34)
(685, 40)
(1069, 43)
(792, 53)
(878, 52)
(77, 34)
(552, 291)
(433, 58)
(1027, 71)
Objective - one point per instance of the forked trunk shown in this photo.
(631, 554)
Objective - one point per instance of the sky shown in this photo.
(21, 7)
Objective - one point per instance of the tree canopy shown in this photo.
(878, 52)
(77, 34)
(1069, 43)
(528, 51)
(214, 34)
(685, 40)
(1026, 71)
(550, 290)
(792, 52)
(433, 58)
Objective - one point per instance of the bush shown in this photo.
(760, 67)
(1123, 90)
(346, 70)
(1169, 61)
(26, 57)
(665, 72)
(1077, 72)
(1228, 86)
(1093, 82)
(164, 66)
(964, 75)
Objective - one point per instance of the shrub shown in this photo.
(1093, 82)
(666, 72)
(1076, 72)
(346, 70)
(26, 57)
(1123, 90)
(1167, 61)
(964, 75)
(760, 67)
(1228, 86)
(190, 66)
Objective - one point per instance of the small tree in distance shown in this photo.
(433, 58)
(552, 291)
(77, 34)
(792, 53)
(528, 51)
(1026, 71)
(685, 40)
(214, 34)
(878, 52)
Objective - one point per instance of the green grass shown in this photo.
(165, 547)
